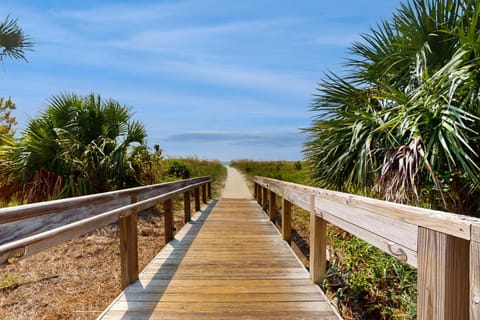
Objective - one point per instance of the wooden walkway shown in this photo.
(228, 263)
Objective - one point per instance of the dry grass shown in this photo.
(77, 279)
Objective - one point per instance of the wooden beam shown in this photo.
(265, 199)
(449, 223)
(204, 193)
(209, 189)
(443, 276)
(197, 199)
(187, 207)
(91, 204)
(286, 220)
(129, 247)
(259, 195)
(475, 273)
(475, 280)
(168, 223)
(318, 246)
(272, 208)
(255, 191)
(25, 221)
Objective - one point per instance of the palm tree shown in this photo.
(78, 145)
(405, 118)
(13, 41)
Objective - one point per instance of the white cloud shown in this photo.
(127, 14)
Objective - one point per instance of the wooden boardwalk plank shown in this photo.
(227, 263)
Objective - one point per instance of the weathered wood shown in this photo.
(443, 276)
(246, 272)
(197, 199)
(27, 220)
(318, 246)
(273, 185)
(93, 203)
(297, 196)
(265, 199)
(475, 273)
(448, 223)
(286, 220)
(204, 193)
(187, 207)
(255, 191)
(19, 249)
(168, 220)
(259, 195)
(209, 189)
(476, 231)
(272, 208)
(129, 247)
(394, 237)
(29, 245)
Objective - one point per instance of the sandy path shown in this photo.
(236, 185)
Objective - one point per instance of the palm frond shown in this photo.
(406, 114)
(13, 41)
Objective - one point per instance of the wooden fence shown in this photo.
(444, 247)
(31, 228)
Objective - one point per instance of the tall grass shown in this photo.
(195, 168)
(292, 171)
(365, 282)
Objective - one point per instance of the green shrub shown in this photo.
(178, 169)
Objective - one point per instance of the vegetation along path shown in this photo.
(229, 262)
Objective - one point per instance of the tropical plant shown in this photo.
(7, 120)
(13, 42)
(405, 118)
(178, 169)
(78, 145)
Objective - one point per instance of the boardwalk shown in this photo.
(228, 263)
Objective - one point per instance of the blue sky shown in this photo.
(215, 79)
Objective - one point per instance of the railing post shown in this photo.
(129, 247)
(209, 189)
(168, 223)
(286, 220)
(259, 194)
(197, 199)
(255, 191)
(475, 273)
(318, 245)
(187, 208)
(443, 276)
(204, 193)
(272, 206)
(265, 199)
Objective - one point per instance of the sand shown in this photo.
(236, 185)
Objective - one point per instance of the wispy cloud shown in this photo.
(240, 76)
(235, 145)
(128, 14)
(240, 138)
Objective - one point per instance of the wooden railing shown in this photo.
(444, 247)
(28, 229)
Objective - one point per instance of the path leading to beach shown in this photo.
(236, 185)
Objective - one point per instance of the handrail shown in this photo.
(20, 221)
(28, 229)
(444, 247)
